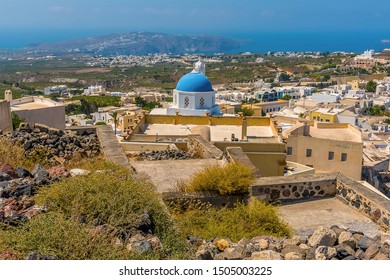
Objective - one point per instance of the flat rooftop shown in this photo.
(341, 134)
(165, 174)
(217, 132)
(30, 103)
(29, 106)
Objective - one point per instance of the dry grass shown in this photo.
(13, 154)
(53, 234)
(242, 221)
(231, 179)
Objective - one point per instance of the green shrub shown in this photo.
(242, 221)
(53, 234)
(225, 180)
(76, 206)
(113, 197)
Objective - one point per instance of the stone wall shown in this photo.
(371, 203)
(5, 117)
(184, 200)
(202, 148)
(294, 187)
(110, 146)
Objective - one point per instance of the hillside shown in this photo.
(140, 43)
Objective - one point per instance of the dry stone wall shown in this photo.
(370, 203)
(294, 187)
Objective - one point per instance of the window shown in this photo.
(327, 120)
(314, 118)
(186, 102)
(201, 102)
(289, 151)
(343, 157)
(308, 152)
(330, 155)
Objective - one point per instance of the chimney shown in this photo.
(306, 130)
(8, 95)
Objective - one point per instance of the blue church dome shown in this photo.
(194, 82)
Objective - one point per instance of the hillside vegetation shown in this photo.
(94, 217)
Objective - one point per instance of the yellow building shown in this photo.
(324, 115)
(327, 148)
(126, 121)
(357, 84)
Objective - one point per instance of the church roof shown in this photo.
(194, 82)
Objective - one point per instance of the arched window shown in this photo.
(186, 102)
(201, 102)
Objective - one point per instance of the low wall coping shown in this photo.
(208, 146)
(294, 179)
(238, 156)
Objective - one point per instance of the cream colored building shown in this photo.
(326, 147)
(40, 110)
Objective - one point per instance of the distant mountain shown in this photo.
(141, 43)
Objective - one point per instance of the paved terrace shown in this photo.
(305, 216)
(166, 173)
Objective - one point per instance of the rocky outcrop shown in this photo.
(55, 145)
(17, 186)
(323, 244)
(164, 155)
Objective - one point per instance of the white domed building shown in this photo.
(194, 95)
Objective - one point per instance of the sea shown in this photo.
(259, 42)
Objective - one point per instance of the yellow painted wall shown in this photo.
(269, 158)
(205, 120)
(126, 121)
(320, 149)
(324, 117)
(269, 164)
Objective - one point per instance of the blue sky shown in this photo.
(201, 16)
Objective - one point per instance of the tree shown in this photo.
(371, 86)
(286, 97)
(115, 117)
(284, 77)
(246, 111)
(376, 110)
